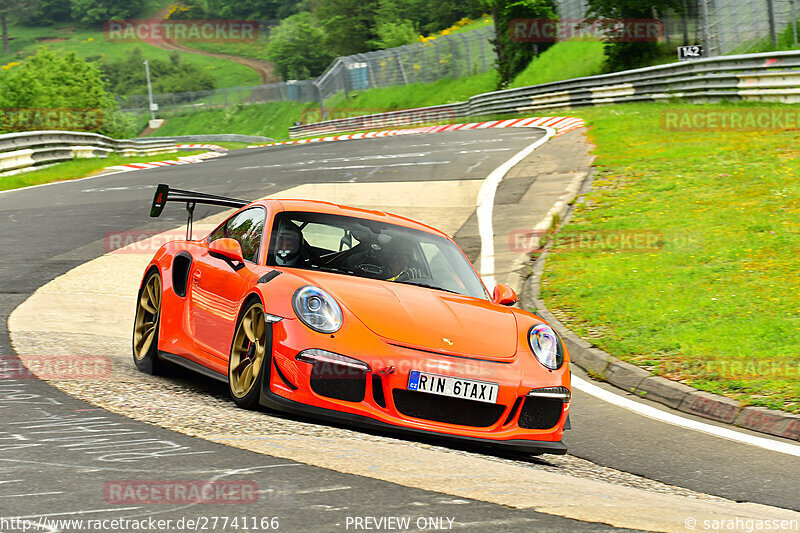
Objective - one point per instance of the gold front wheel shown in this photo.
(247, 356)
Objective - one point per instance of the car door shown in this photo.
(217, 284)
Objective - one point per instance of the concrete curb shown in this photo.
(639, 381)
(183, 160)
(561, 124)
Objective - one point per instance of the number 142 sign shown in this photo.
(686, 53)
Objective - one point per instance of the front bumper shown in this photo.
(288, 387)
(278, 403)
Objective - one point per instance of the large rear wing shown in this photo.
(164, 194)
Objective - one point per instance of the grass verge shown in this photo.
(562, 61)
(79, 168)
(716, 302)
(269, 120)
(444, 91)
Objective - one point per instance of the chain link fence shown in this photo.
(722, 26)
(447, 56)
(741, 26)
(456, 55)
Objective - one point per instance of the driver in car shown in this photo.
(402, 266)
(288, 246)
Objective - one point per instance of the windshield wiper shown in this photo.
(427, 286)
(312, 266)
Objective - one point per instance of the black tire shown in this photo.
(146, 325)
(249, 358)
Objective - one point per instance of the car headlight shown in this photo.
(546, 346)
(317, 309)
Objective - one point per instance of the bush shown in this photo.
(51, 79)
(392, 34)
(127, 76)
(60, 83)
(101, 11)
(297, 48)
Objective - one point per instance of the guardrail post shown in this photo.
(402, 70)
(423, 65)
(466, 54)
(438, 57)
(771, 18)
(685, 23)
(704, 26)
(345, 82)
(483, 56)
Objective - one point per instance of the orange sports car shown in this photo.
(355, 316)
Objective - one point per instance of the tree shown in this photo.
(430, 17)
(391, 27)
(51, 81)
(349, 25)
(298, 49)
(513, 56)
(101, 11)
(126, 76)
(14, 10)
(625, 55)
(50, 12)
(251, 9)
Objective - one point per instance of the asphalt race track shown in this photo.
(53, 464)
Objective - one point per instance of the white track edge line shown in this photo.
(485, 208)
(676, 420)
(485, 204)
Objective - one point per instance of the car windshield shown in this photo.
(365, 248)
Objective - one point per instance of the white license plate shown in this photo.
(469, 389)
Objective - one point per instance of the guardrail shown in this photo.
(20, 151)
(405, 117)
(772, 76)
(215, 138)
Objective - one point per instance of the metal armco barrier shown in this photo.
(214, 138)
(405, 117)
(771, 76)
(21, 150)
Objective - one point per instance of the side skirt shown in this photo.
(191, 365)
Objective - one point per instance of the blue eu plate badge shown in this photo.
(413, 380)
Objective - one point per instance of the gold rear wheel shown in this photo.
(145, 325)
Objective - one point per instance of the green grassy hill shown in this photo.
(92, 44)
(562, 61)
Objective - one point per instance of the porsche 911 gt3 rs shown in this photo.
(351, 315)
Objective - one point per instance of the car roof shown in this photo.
(316, 206)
